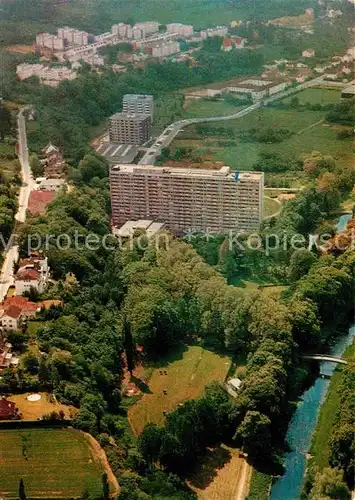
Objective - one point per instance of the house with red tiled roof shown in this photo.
(226, 45)
(10, 318)
(7, 409)
(33, 272)
(39, 200)
(14, 310)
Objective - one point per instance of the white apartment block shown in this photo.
(183, 30)
(47, 76)
(166, 49)
(188, 199)
(73, 36)
(48, 41)
(122, 30)
(149, 27)
(138, 104)
(138, 33)
(217, 31)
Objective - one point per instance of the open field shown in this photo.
(205, 107)
(21, 49)
(316, 95)
(271, 206)
(52, 462)
(222, 474)
(309, 133)
(33, 410)
(184, 377)
(294, 21)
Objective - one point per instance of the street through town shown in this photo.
(11, 251)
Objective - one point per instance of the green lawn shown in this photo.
(52, 462)
(259, 486)
(33, 326)
(185, 378)
(271, 206)
(317, 95)
(309, 133)
(206, 107)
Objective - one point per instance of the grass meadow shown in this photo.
(183, 377)
(52, 463)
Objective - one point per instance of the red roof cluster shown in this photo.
(7, 409)
(21, 302)
(39, 200)
(13, 311)
(28, 275)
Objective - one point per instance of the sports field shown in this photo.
(183, 378)
(52, 463)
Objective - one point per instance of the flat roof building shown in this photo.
(188, 199)
(138, 103)
(348, 92)
(130, 128)
(128, 229)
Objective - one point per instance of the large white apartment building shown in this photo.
(48, 41)
(166, 49)
(217, 31)
(183, 30)
(47, 76)
(138, 32)
(138, 104)
(188, 199)
(149, 27)
(73, 36)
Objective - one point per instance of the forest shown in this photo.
(159, 297)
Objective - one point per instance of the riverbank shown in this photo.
(320, 451)
(302, 425)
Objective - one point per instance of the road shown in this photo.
(172, 130)
(11, 252)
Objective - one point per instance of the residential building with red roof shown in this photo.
(7, 409)
(39, 200)
(227, 45)
(14, 310)
(33, 272)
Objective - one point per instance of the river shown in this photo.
(304, 420)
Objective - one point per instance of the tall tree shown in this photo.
(105, 486)
(129, 346)
(21, 490)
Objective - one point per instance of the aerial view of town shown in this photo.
(177, 249)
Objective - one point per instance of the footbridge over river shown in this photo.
(325, 357)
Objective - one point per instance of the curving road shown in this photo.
(172, 130)
(11, 251)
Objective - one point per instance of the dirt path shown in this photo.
(100, 455)
(244, 481)
(310, 126)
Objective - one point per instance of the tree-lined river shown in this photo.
(304, 420)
